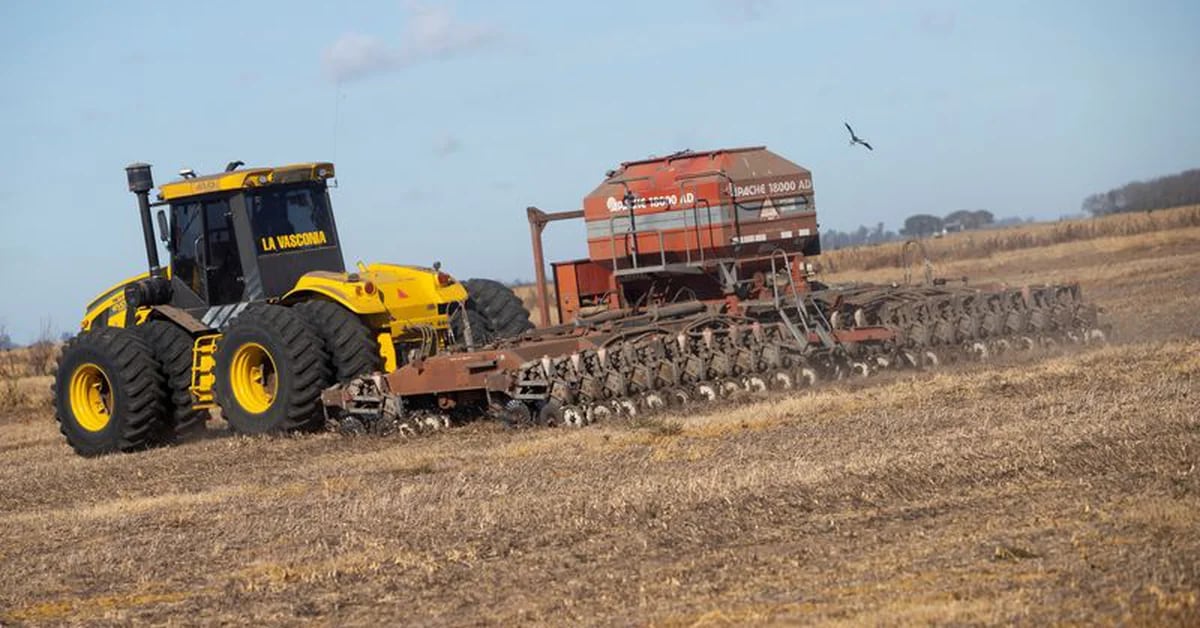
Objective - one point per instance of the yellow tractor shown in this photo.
(255, 314)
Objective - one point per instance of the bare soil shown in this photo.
(1052, 488)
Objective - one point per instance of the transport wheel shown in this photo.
(551, 414)
(625, 407)
(754, 384)
(781, 380)
(730, 388)
(929, 359)
(109, 393)
(516, 413)
(352, 348)
(599, 412)
(678, 397)
(653, 401)
(574, 416)
(172, 347)
(708, 391)
(805, 376)
(271, 368)
(500, 306)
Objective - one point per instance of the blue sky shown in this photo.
(447, 119)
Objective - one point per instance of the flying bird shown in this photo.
(854, 139)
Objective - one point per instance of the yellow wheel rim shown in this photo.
(91, 397)
(253, 378)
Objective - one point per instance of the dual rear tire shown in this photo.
(172, 347)
(500, 309)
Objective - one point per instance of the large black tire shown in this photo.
(173, 348)
(352, 348)
(500, 306)
(481, 330)
(109, 394)
(292, 366)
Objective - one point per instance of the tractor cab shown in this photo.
(247, 235)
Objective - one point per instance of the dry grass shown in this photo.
(986, 243)
(528, 295)
(25, 377)
(1057, 489)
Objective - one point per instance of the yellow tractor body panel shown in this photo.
(111, 303)
(243, 179)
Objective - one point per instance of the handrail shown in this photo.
(634, 233)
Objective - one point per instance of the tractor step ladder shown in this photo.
(203, 365)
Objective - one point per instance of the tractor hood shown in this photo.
(108, 307)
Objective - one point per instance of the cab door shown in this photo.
(206, 269)
(223, 265)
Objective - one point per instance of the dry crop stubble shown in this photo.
(1054, 487)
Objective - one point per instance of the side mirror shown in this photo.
(163, 233)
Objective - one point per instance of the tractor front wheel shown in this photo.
(270, 370)
(109, 394)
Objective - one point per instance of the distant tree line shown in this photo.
(921, 225)
(915, 226)
(1169, 191)
(834, 239)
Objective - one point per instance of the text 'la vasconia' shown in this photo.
(293, 241)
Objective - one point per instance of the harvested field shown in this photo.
(987, 242)
(1056, 487)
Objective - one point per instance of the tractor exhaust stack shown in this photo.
(140, 183)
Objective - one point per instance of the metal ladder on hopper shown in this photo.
(820, 326)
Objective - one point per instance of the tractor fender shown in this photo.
(337, 287)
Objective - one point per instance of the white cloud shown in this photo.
(447, 146)
(354, 56)
(434, 32)
(430, 33)
(745, 9)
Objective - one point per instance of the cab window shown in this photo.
(290, 218)
(187, 230)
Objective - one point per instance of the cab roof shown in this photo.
(245, 178)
